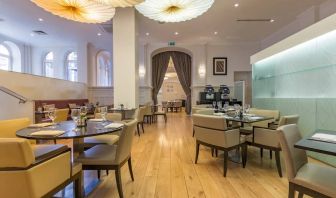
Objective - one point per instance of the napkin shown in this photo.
(96, 120)
(114, 125)
(40, 125)
(324, 137)
(47, 133)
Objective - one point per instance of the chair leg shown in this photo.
(300, 195)
(142, 126)
(212, 152)
(193, 132)
(107, 172)
(138, 129)
(118, 181)
(98, 174)
(55, 141)
(130, 168)
(225, 162)
(271, 156)
(261, 152)
(197, 151)
(244, 154)
(291, 190)
(216, 152)
(165, 117)
(278, 163)
(78, 187)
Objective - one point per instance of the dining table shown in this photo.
(77, 134)
(123, 111)
(322, 145)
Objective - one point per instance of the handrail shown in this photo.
(15, 95)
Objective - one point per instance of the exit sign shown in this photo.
(171, 43)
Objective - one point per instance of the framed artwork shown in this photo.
(219, 66)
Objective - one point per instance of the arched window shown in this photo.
(104, 69)
(48, 64)
(5, 58)
(72, 66)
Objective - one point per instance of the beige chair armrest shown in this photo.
(265, 136)
(232, 137)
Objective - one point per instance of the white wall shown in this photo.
(34, 88)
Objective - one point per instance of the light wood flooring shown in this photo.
(163, 166)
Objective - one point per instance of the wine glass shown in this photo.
(226, 106)
(52, 115)
(83, 111)
(237, 109)
(103, 112)
(247, 108)
(75, 114)
(219, 104)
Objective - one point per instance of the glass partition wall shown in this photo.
(301, 80)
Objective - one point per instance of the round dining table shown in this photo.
(77, 134)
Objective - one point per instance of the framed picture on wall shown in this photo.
(219, 66)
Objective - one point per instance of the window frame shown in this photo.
(67, 64)
(45, 61)
(9, 56)
(108, 70)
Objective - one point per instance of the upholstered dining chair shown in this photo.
(205, 111)
(160, 113)
(61, 115)
(148, 116)
(212, 131)
(285, 120)
(8, 128)
(110, 157)
(307, 178)
(140, 119)
(24, 169)
(115, 117)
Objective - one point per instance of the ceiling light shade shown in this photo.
(173, 10)
(78, 10)
(119, 3)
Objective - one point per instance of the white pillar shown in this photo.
(125, 58)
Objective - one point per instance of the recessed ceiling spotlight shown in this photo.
(40, 19)
(176, 33)
(147, 34)
(99, 34)
(215, 33)
(272, 20)
(32, 34)
(236, 5)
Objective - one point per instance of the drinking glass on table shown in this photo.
(52, 115)
(247, 108)
(75, 114)
(226, 106)
(103, 112)
(83, 111)
(237, 109)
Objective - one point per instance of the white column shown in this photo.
(125, 58)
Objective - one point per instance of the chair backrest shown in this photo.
(15, 153)
(141, 114)
(110, 116)
(148, 110)
(290, 119)
(213, 130)
(125, 141)
(164, 104)
(61, 115)
(205, 111)
(294, 158)
(8, 128)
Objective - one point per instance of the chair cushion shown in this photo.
(48, 150)
(102, 139)
(318, 178)
(98, 155)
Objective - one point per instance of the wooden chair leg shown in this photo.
(291, 190)
(300, 195)
(55, 141)
(271, 156)
(107, 172)
(98, 174)
(138, 129)
(244, 155)
(165, 117)
(278, 163)
(130, 168)
(193, 132)
(261, 152)
(118, 181)
(197, 152)
(225, 162)
(142, 126)
(212, 152)
(78, 192)
(216, 152)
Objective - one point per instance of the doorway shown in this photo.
(247, 77)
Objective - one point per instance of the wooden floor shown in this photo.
(163, 165)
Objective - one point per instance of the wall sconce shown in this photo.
(142, 71)
(201, 71)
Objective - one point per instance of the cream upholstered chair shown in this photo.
(115, 117)
(24, 169)
(285, 120)
(212, 131)
(8, 128)
(205, 111)
(109, 139)
(306, 178)
(148, 116)
(61, 115)
(140, 119)
(161, 113)
(109, 157)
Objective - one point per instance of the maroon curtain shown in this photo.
(182, 64)
(159, 69)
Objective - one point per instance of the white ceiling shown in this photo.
(21, 17)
